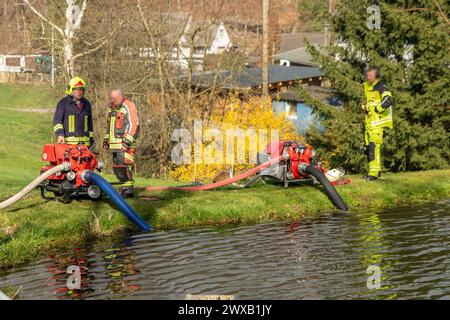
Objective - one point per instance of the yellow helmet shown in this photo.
(76, 82)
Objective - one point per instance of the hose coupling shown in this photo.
(84, 175)
(302, 167)
(67, 166)
(100, 165)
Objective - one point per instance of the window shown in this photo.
(199, 50)
(291, 111)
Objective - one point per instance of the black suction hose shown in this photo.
(331, 192)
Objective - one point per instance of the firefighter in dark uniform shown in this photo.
(72, 122)
(122, 132)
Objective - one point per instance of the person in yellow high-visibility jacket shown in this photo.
(378, 111)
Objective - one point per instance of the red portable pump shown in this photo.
(296, 164)
(295, 157)
(69, 185)
(71, 174)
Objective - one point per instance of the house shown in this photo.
(250, 80)
(298, 57)
(18, 63)
(293, 107)
(24, 68)
(212, 39)
(282, 83)
(292, 41)
(220, 41)
(293, 48)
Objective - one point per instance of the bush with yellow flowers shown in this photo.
(254, 115)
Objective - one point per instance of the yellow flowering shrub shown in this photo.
(255, 114)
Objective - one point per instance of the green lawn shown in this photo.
(33, 226)
(24, 96)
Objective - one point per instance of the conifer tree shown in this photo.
(412, 48)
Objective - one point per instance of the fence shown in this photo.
(24, 68)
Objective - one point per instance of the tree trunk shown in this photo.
(68, 57)
(265, 56)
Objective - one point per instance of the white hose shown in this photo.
(4, 296)
(34, 184)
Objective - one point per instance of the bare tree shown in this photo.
(172, 39)
(265, 55)
(157, 51)
(67, 34)
(155, 55)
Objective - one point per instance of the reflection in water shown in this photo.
(311, 259)
(120, 268)
(372, 236)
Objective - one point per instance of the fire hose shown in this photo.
(4, 296)
(106, 187)
(34, 184)
(219, 184)
(89, 177)
(330, 191)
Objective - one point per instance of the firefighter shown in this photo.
(378, 116)
(122, 132)
(72, 121)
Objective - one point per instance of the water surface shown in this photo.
(324, 258)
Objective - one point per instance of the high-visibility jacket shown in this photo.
(378, 106)
(122, 125)
(73, 121)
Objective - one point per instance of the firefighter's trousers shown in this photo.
(374, 140)
(123, 166)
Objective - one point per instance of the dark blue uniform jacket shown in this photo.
(74, 121)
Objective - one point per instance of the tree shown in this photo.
(153, 56)
(411, 47)
(312, 14)
(265, 54)
(73, 17)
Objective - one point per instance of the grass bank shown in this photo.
(25, 96)
(33, 226)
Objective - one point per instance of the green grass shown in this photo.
(33, 226)
(23, 96)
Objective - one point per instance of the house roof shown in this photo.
(297, 56)
(291, 41)
(253, 77)
(322, 94)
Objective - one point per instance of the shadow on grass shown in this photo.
(30, 206)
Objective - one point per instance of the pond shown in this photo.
(396, 254)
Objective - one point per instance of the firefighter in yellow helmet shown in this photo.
(72, 122)
(378, 116)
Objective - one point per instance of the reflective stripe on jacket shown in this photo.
(123, 123)
(73, 121)
(377, 116)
